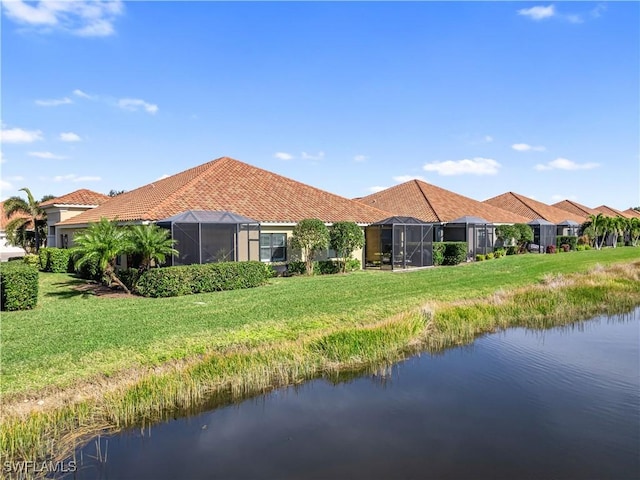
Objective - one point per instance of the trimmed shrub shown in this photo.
(438, 253)
(480, 257)
(489, 256)
(296, 268)
(454, 253)
(326, 267)
(19, 286)
(89, 270)
(31, 259)
(512, 250)
(551, 249)
(353, 265)
(584, 240)
(129, 277)
(56, 260)
(500, 252)
(570, 240)
(210, 277)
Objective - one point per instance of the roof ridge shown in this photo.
(517, 196)
(418, 183)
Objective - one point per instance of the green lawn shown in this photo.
(72, 336)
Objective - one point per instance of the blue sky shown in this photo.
(542, 99)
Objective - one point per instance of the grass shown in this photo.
(74, 336)
(116, 362)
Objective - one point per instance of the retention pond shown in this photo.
(520, 404)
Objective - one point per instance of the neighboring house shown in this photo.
(631, 213)
(575, 208)
(533, 209)
(68, 206)
(231, 189)
(454, 216)
(611, 212)
(7, 250)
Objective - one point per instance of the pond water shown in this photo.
(562, 403)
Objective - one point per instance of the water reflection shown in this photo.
(560, 403)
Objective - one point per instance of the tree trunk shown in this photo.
(110, 272)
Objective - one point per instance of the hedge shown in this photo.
(56, 260)
(323, 267)
(18, 285)
(449, 253)
(572, 241)
(210, 277)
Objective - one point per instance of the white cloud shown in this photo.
(308, 156)
(19, 135)
(406, 178)
(476, 166)
(15, 178)
(574, 18)
(134, 104)
(566, 164)
(376, 189)
(80, 17)
(525, 147)
(596, 12)
(360, 158)
(538, 12)
(163, 176)
(488, 138)
(72, 177)
(54, 102)
(70, 137)
(79, 93)
(46, 155)
(283, 156)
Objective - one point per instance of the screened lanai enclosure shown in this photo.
(544, 233)
(399, 242)
(207, 236)
(477, 232)
(568, 228)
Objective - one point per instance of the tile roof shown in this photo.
(632, 213)
(532, 209)
(4, 219)
(427, 202)
(611, 212)
(575, 208)
(228, 184)
(78, 197)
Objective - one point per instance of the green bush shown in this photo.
(489, 256)
(210, 277)
(512, 250)
(353, 265)
(89, 270)
(438, 253)
(56, 260)
(296, 268)
(18, 285)
(31, 259)
(326, 267)
(570, 240)
(480, 257)
(500, 252)
(454, 253)
(449, 253)
(129, 277)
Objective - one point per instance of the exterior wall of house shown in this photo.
(59, 214)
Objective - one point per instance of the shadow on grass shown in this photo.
(74, 287)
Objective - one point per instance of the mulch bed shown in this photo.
(100, 290)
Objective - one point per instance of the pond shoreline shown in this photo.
(146, 396)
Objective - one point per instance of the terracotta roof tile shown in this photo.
(532, 209)
(611, 212)
(427, 202)
(632, 213)
(228, 184)
(575, 208)
(78, 197)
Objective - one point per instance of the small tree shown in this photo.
(344, 238)
(152, 243)
(506, 234)
(102, 242)
(519, 234)
(310, 236)
(634, 230)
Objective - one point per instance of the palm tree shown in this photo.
(28, 214)
(598, 226)
(102, 242)
(634, 230)
(617, 225)
(152, 243)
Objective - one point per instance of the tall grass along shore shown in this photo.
(80, 364)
